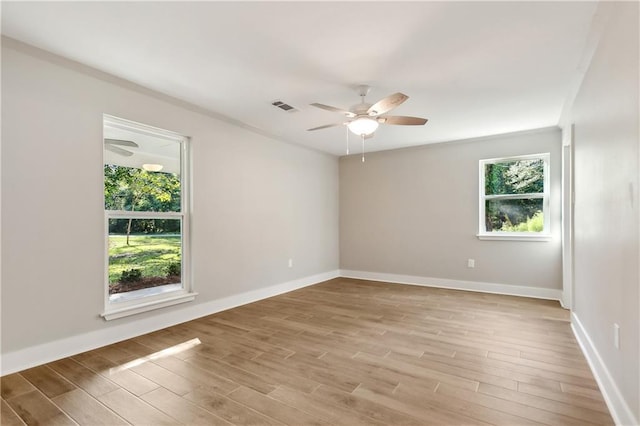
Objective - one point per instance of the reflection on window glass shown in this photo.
(144, 253)
(520, 215)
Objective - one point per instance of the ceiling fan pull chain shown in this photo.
(347, 139)
(362, 148)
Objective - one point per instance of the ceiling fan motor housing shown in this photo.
(360, 109)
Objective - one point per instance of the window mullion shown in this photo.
(515, 196)
(126, 214)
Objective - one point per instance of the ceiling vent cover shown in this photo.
(283, 106)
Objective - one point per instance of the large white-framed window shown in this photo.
(514, 198)
(146, 196)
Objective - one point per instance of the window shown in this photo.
(146, 218)
(514, 198)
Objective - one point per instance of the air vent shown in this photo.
(283, 106)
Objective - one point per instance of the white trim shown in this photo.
(145, 305)
(563, 301)
(41, 354)
(133, 306)
(514, 196)
(540, 155)
(515, 236)
(483, 287)
(620, 410)
(126, 214)
(132, 126)
(567, 220)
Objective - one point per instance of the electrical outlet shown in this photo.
(471, 263)
(290, 263)
(616, 336)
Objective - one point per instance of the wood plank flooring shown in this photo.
(343, 352)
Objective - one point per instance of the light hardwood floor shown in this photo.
(343, 352)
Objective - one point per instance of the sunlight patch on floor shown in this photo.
(181, 347)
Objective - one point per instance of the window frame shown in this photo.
(545, 235)
(135, 305)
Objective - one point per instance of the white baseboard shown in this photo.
(618, 407)
(51, 351)
(507, 289)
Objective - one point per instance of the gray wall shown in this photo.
(415, 212)
(256, 202)
(606, 258)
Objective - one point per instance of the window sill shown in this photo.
(125, 311)
(514, 237)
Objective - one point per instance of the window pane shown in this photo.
(514, 177)
(523, 215)
(135, 189)
(142, 169)
(144, 253)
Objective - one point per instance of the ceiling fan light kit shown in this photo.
(363, 118)
(363, 126)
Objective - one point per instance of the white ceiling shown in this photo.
(472, 68)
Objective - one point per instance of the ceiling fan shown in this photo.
(363, 118)
(114, 145)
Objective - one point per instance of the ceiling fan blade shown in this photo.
(387, 104)
(121, 142)
(333, 109)
(326, 126)
(118, 151)
(402, 120)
